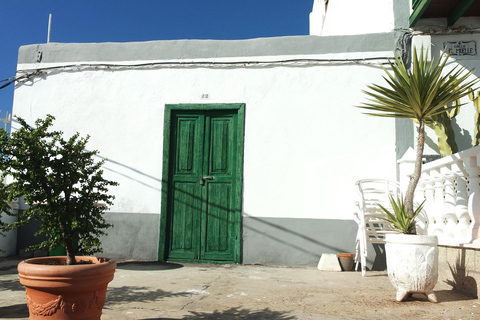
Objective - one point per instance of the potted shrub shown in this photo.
(65, 190)
(420, 94)
(6, 216)
(8, 213)
(412, 260)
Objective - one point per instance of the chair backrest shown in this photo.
(372, 192)
(375, 191)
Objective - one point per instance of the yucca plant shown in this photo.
(398, 216)
(420, 94)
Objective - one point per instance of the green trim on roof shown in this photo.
(459, 11)
(419, 7)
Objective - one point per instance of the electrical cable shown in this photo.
(29, 73)
(14, 79)
(400, 49)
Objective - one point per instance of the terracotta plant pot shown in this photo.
(346, 261)
(57, 291)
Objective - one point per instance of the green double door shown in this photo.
(203, 213)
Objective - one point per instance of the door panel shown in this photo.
(187, 148)
(204, 214)
(219, 235)
(183, 221)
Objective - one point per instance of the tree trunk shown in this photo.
(417, 172)
(70, 253)
(69, 248)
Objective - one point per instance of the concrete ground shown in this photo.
(155, 290)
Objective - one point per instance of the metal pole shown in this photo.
(49, 27)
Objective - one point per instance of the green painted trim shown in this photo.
(239, 164)
(415, 4)
(240, 107)
(163, 241)
(419, 9)
(459, 11)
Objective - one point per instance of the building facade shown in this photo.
(241, 151)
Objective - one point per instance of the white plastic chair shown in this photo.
(371, 227)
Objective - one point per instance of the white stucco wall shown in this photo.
(316, 18)
(305, 143)
(464, 121)
(348, 17)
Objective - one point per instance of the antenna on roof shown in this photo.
(6, 120)
(49, 27)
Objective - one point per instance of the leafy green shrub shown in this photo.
(62, 184)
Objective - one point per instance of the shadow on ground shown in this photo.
(15, 311)
(138, 294)
(235, 313)
(147, 265)
(451, 295)
(462, 281)
(12, 285)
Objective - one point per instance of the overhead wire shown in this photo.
(400, 49)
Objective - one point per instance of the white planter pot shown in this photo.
(412, 264)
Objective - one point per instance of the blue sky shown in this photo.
(26, 22)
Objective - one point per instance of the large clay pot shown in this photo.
(57, 291)
(412, 264)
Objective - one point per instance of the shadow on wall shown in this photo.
(379, 262)
(309, 240)
(235, 313)
(277, 233)
(462, 282)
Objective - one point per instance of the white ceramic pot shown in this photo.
(412, 264)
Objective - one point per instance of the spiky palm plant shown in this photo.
(420, 94)
(398, 215)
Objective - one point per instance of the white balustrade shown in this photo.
(451, 189)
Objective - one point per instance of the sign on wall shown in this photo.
(461, 48)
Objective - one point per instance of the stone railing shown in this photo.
(451, 189)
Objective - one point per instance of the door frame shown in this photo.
(169, 109)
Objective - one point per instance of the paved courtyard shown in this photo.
(155, 290)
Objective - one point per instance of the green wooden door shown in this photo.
(203, 210)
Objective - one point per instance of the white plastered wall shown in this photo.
(464, 122)
(349, 17)
(305, 143)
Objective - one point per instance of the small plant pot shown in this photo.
(346, 261)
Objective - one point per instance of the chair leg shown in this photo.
(357, 255)
(364, 263)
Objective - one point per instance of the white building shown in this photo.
(241, 151)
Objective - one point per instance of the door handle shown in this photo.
(202, 181)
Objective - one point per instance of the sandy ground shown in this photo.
(154, 290)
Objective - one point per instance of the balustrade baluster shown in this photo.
(461, 209)
(448, 208)
(422, 218)
(451, 187)
(430, 204)
(439, 200)
(474, 196)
